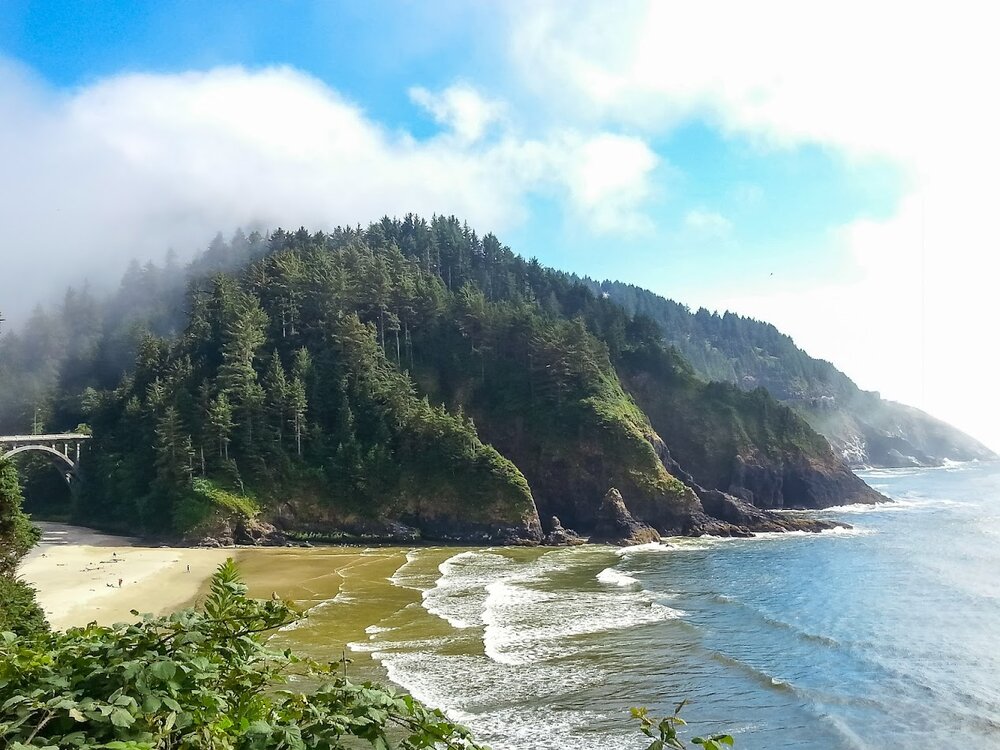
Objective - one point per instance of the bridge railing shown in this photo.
(60, 437)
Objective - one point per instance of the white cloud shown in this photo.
(869, 77)
(707, 223)
(462, 109)
(911, 82)
(609, 180)
(133, 164)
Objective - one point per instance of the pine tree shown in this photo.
(174, 452)
(220, 418)
(296, 405)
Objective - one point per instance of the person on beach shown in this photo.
(119, 583)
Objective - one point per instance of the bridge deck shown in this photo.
(8, 439)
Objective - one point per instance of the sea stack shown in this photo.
(616, 525)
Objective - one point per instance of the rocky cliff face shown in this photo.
(870, 431)
(864, 429)
(747, 446)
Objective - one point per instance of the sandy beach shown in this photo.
(84, 576)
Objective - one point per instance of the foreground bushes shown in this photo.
(19, 612)
(205, 680)
(198, 679)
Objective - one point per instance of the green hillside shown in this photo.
(865, 429)
(401, 381)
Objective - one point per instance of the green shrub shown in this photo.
(198, 679)
(19, 612)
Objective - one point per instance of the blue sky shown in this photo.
(723, 156)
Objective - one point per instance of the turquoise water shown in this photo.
(884, 635)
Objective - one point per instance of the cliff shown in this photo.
(744, 444)
(864, 429)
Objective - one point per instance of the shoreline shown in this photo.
(83, 576)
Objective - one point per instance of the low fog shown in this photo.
(130, 166)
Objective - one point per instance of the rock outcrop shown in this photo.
(723, 514)
(798, 482)
(616, 525)
(560, 536)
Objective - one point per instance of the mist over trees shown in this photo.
(348, 365)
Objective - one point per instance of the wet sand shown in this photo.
(76, 573)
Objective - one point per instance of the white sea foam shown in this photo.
(506, 704)
(530, 627)
(899, 504)
(613, 577)
(376, 629)
(640, 548)
(525, 625)
(403, 576)
(459, 594)
(853, 531)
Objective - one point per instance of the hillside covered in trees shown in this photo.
(865, 429)
(406, 380)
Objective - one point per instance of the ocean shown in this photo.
(885, 634)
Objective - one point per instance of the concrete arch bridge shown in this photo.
(63, 449)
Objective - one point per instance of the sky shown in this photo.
(828, 167)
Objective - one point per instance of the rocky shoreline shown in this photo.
(720, 515)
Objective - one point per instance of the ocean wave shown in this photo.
(459, 594)
(525, 625)
(776, 622)
(906, 502)
(376, 629)
(404, 576)
(799, 534)
(641, 548)
(505, 705)
(760, 676)
(384, 647)
(613, 577)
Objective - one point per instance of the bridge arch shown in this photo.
(66, 460)
(63, 449)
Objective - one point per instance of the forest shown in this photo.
(409, 378)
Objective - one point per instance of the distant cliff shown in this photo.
(863, 428)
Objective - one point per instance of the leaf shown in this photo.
(164, 670)
(122, 718)
(76, 715)
(259, 727)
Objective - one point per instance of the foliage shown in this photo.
(17, 535)
(18, 610)
(664, 732)
(198, 679)
(223, 498)
(730, 348)
(707, 425)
